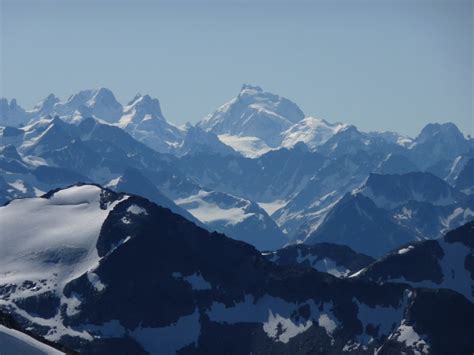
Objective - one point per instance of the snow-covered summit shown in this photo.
(44, 107)
(254, 113)
(143, 119)
(257, 121)
(445, 131)
(101, 103)
(141, 108)
(438, 142)
(64, 238)
(312, 131)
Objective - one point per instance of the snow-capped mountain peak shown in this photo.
(249, 89)
(102, 96)
(143, 119)
(44, 107)
(448, 131)
(141, 108)
(101, 103)
(438, 142)
(312, 131)
(77, 99)
(254, 113)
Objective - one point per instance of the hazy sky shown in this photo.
(382, 65)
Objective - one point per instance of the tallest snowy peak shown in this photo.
(254, 113)
(246, 88)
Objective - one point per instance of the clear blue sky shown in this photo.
(382, 65)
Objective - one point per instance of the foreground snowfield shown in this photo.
(58, 237)
(47, 242)
(13, 342)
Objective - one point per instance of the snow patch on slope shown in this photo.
(381, 318)
(250, 147)
(407, 335)
(203, 208)
(272, 207)
(276, 315)
(312, 131)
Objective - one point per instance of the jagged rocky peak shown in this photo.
(142, 107)
(45, 106)
(447, 131)
(104, 95)
(438, 142)
(11, 114)
(101, 103)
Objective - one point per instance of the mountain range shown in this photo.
(276, 231)
(129, 276)
(309, 166)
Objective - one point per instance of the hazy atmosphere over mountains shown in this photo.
(236, 177)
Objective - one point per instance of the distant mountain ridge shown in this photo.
(141, 117)
(258, 156)
(252, 123)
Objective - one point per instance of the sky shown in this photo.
(381, 65)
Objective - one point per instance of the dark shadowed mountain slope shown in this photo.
(438, 142)
(465, 179)
(357, 222)
(132, 277)
(337, 260)
(396, 164)
(389, 210)
(390, 191)
(442, 263)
